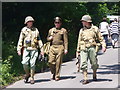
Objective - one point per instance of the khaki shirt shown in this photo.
(88, 38)
(59, 37)
(30, 39)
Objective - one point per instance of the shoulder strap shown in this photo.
(96, 38)
(36, 32)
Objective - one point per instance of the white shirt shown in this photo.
(104, 28)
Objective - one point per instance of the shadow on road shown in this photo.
(109, 69)
(98, 80)
(63, 65)
(67, 77)
(42, 80)
(61, 78)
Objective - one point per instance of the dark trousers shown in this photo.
(106, 39)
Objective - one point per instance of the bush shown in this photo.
(11, 64)
(7, 76)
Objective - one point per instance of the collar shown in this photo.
(58, 28)
(89, 27)
(32, 28)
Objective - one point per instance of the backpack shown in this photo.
(46, 46)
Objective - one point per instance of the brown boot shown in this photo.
(26, 68)
(32, 81)
(57, 79)
(26, 78)
(53, 77)
(85, 81)
(32, 76)
(94, 76)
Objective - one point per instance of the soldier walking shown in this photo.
(86, 47)
(29, 40)
(57, 36)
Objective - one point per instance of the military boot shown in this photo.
(94, 76)
(53, 77)
(85, 80)
(32, 76)
(52, 68)
(26, 68)
(57, 79)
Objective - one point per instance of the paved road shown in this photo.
(107, 75)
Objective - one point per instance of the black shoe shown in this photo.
(85, 82)
(26, 79)
(94, 79)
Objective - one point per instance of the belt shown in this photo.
(57, 44)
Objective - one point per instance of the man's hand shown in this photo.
(103, 49)
(65, 52)
(19, 53)
(42, 53)
(51, 37)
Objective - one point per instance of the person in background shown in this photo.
(104, 29)
(114, 30)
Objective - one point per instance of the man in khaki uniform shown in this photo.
(59, 46)
(29, 40)
(86, 48)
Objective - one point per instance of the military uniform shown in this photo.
(87, 46)
(29, 40)
(59, 43)
(87, 42)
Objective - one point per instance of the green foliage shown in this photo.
(11, 66)
(114, 8)
(6, 71)
(103, 10)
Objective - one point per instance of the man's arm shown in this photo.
(101, 40)
(78, 44)
(65, 40)
(20, 43)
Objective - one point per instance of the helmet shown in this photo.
(57, 18)
(28, 18)
(86, 18)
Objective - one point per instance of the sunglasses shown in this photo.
(57, 22)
